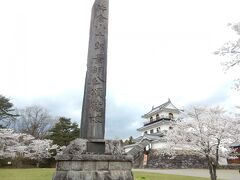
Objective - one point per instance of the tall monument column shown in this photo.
(91, 157)
(94, 101)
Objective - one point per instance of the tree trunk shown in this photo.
(213, 164)
(38, 164)
(212, 169)
(215, 171)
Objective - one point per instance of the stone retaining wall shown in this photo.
(158, 160)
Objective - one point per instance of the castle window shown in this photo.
(170, 116)
(158, 129)
(151, 131)
(157, 116)
(151, 119)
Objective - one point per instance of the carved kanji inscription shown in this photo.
(93, 112)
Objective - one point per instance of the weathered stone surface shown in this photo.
(158, 160)
(83, 165)
(94, 157)
(94, 169)
(93, 165)
(94, 175)
(102, 165)
(94, 100)
(121, 175)
(77, 150)
(77, 164)
(96, 147)
(60, 175)
(70, 165)
(113, 147)
(89, 165)
(76, 147)
(120, 165)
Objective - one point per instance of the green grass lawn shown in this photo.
(46, 174)
(26, 174)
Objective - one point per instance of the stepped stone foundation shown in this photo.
(76, 164)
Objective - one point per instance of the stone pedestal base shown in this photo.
(95, 167)
(76, 164)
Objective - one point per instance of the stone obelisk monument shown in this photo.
(91, 157)
(93, 110)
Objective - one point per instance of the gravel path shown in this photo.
(222, 174)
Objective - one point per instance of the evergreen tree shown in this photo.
(7, 112)
(129, 141)
(64, 132)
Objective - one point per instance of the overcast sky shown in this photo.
(157, 50)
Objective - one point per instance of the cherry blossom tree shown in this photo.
(19, 145)
(13, 144)
(231, 50)
(209, 132)
(38, 150)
